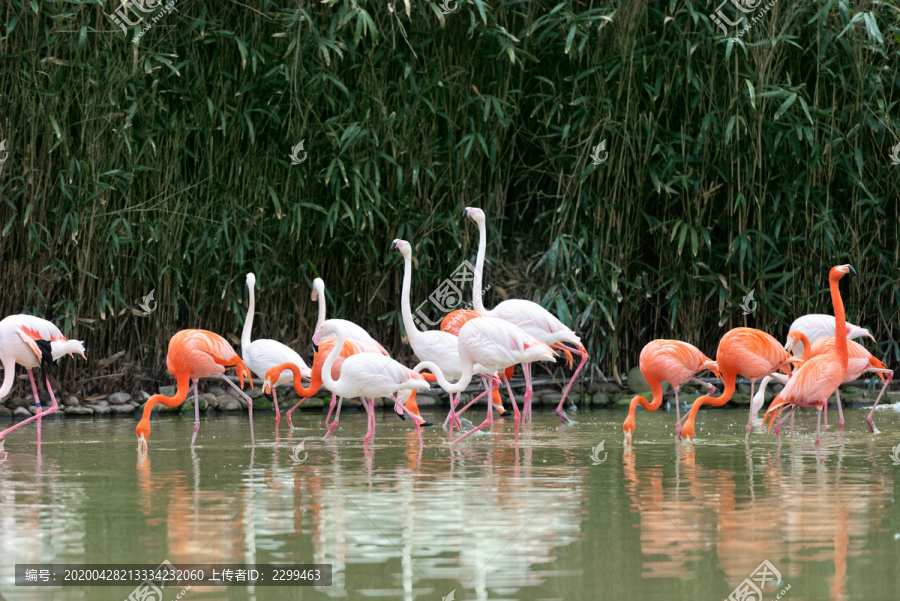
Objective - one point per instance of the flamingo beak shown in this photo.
(266, 386)
(393, 245)
(851, 270)
(789, 344)
(465, 211)
(142, 443)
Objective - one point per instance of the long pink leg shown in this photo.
(37, 401)
(890, 373)
(454, 401)
(416, 420)
(330, 408)
(490, 415)
(837, 395)
(38, 415)
(337, 418)
(197, 414)
(677, 417)
(826, 414)
(249, 407)
(781, 421)
(516, 416)
(370, 409)
(287, 413)
(584, 357)
(529, 393)
(750, 418)
(818, 425)
(275, 400)
(472, 402)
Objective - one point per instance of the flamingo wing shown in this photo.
(263, 354)
(535, 320)
(455, 320)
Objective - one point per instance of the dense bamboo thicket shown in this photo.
(735, 164)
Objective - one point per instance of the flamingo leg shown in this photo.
(38, 415)
(275, 400)
(677, 416)
(196, 415)
(370, 410)
(472, 402)
(826, 413)
(890, 373)
(330, 408)
(454, 401)
(337, 418)
(37, 401)
(584, 358)
(818, 424)
(529, 393)
(490, 415)
(516, 416)
(712, 388)
(287, 414)
(418, 421)
(249, 407)
(750, 418)
(837, 395)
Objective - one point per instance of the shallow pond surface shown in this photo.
(487, 518)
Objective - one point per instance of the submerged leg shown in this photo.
(38, 415)
(529, 393)
(249, 407)
(750, 418)
(487, 422)
(818, 424)
(337, 418)
(677, 416)
(837, 395)
(890, 376)
(196, 415)
(370, 410)
(584, 357)
(275, 400)
(516, 416)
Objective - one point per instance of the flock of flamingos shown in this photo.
(818, 356)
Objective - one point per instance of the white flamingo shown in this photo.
(367, 376)
(530, 317)
(263, 354)
(495, 344)
(436, 346)
(31, 342)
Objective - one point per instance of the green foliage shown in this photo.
(734, 164)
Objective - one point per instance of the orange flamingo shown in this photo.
(819, 377)
(859, 361)
(195, 354)
(747, 352)
(672, 361)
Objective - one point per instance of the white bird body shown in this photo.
(263, 354)
(19, 336)
(350, 329)
(535, 320)
(817, 325)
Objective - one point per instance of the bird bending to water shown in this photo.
(195, 354)
(671, 361)
(31, 342)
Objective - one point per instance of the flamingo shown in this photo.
(820, 376)
(350, 347)
(742, 351)
(495, 344)
(817, 325)
(527, 315)
(31, 342)
(363, 375)
(759, 399)
(436, 346)
(859, 361)
(672, 361)
(262, 354)
(195, 354)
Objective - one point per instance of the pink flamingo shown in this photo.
(195, 354)
(367, 376)
(263, 354)
(672, 361)
(31, 342)
(529, 316)
(816, 325)
(495, 344)
(819, 377)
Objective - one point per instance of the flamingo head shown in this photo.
(687, 430)
(267, 386)
(403, 246)
(251, 280)
(792, 339)
(628, 427)
(317, 337)
(318, 288)
(477, 215)
(143, 433)
(840, 271)
(857, 332)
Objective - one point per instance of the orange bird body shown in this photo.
(195, 354)
(747, 352)
(819, 377)
(671, 361)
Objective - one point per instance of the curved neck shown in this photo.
(442, 381)
(182, 385)
(321, 319)
(477, 282)
(807, 347)
(248, 323)
(332, 357)
(9, 375)
(412, 332)
(840, 322)
(656, 387)
(315, 382)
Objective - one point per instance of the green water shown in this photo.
(487, 518)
